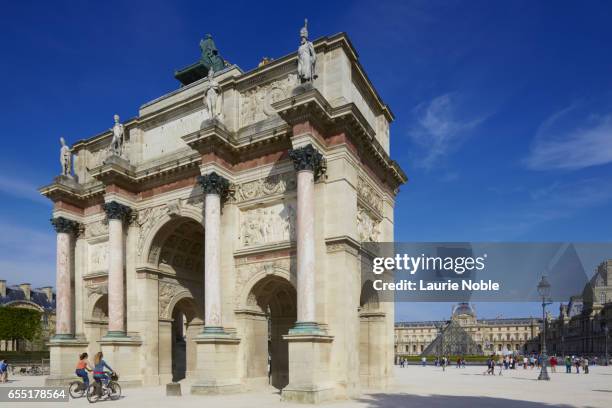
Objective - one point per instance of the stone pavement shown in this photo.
(415, 387)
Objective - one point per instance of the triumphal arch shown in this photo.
(216, 237)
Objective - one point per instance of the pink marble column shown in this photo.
(215, 188)
(117, 214)
(66, 229)
(305, 246)
(307, 161)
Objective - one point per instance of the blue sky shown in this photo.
(504, 109)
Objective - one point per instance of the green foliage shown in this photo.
(20, 324)
(24, 356)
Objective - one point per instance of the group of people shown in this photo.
(578, 363)
(99, 373)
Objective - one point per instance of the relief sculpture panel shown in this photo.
(275, 223)
(256, 103)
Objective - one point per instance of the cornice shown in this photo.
(310, 105)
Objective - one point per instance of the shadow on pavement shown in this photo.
(454, 401)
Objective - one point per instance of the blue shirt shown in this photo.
(100, 367)
(3, 367)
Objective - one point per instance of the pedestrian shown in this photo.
(3, 371)
(577, 364)
(585, 365)
(553, 364)
(525, 362)
(423, 361)
(568, 365)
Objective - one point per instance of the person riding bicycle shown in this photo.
(99, 374)
(82, 367)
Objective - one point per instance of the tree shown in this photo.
(19, 324)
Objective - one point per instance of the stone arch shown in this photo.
(257, 273)
(96, 301)
(269, 310)
(159, 222)
(368, 299)
(178, 248)
(186, 324)
(372, 337)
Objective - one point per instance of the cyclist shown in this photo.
(82, 367)
(99, 374)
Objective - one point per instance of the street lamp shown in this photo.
(606, 330)
(544, 291)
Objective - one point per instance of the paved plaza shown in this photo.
(415, 387)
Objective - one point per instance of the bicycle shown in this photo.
(77, 389)
(99, 390)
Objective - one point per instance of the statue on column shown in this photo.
(65, 158)
(307, 57)
(211, 96)
(116, 145)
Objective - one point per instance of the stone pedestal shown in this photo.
(64, 354)
(309, 369)
(173, 389)
(122, 353)
(217, 365)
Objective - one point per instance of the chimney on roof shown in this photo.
(2, 288)
(26, 288)
(48, 291)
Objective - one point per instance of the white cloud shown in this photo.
(559, 145)
(559, 200)
(21, 189)
(440, 130)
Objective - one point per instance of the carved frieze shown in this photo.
(97, 289)
(268, 186)
(275, 223)
(146, 219)
(368, 227)
(98, 257)
(256, 103)
(368, 195)
(96, 229)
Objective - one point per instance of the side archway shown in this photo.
(269, 310)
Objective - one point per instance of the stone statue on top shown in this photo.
(65, 158)
(212, 96)
(307, 57)
(116, 146)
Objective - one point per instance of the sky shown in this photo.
(503, 109)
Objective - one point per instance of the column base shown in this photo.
(307, 328)
(216, 367)
(123, 354)
(115, 334)
(64, 352)
(309, 366)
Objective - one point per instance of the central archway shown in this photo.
(177, 252)
(272, 311)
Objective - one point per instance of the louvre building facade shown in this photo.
(465, 334)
